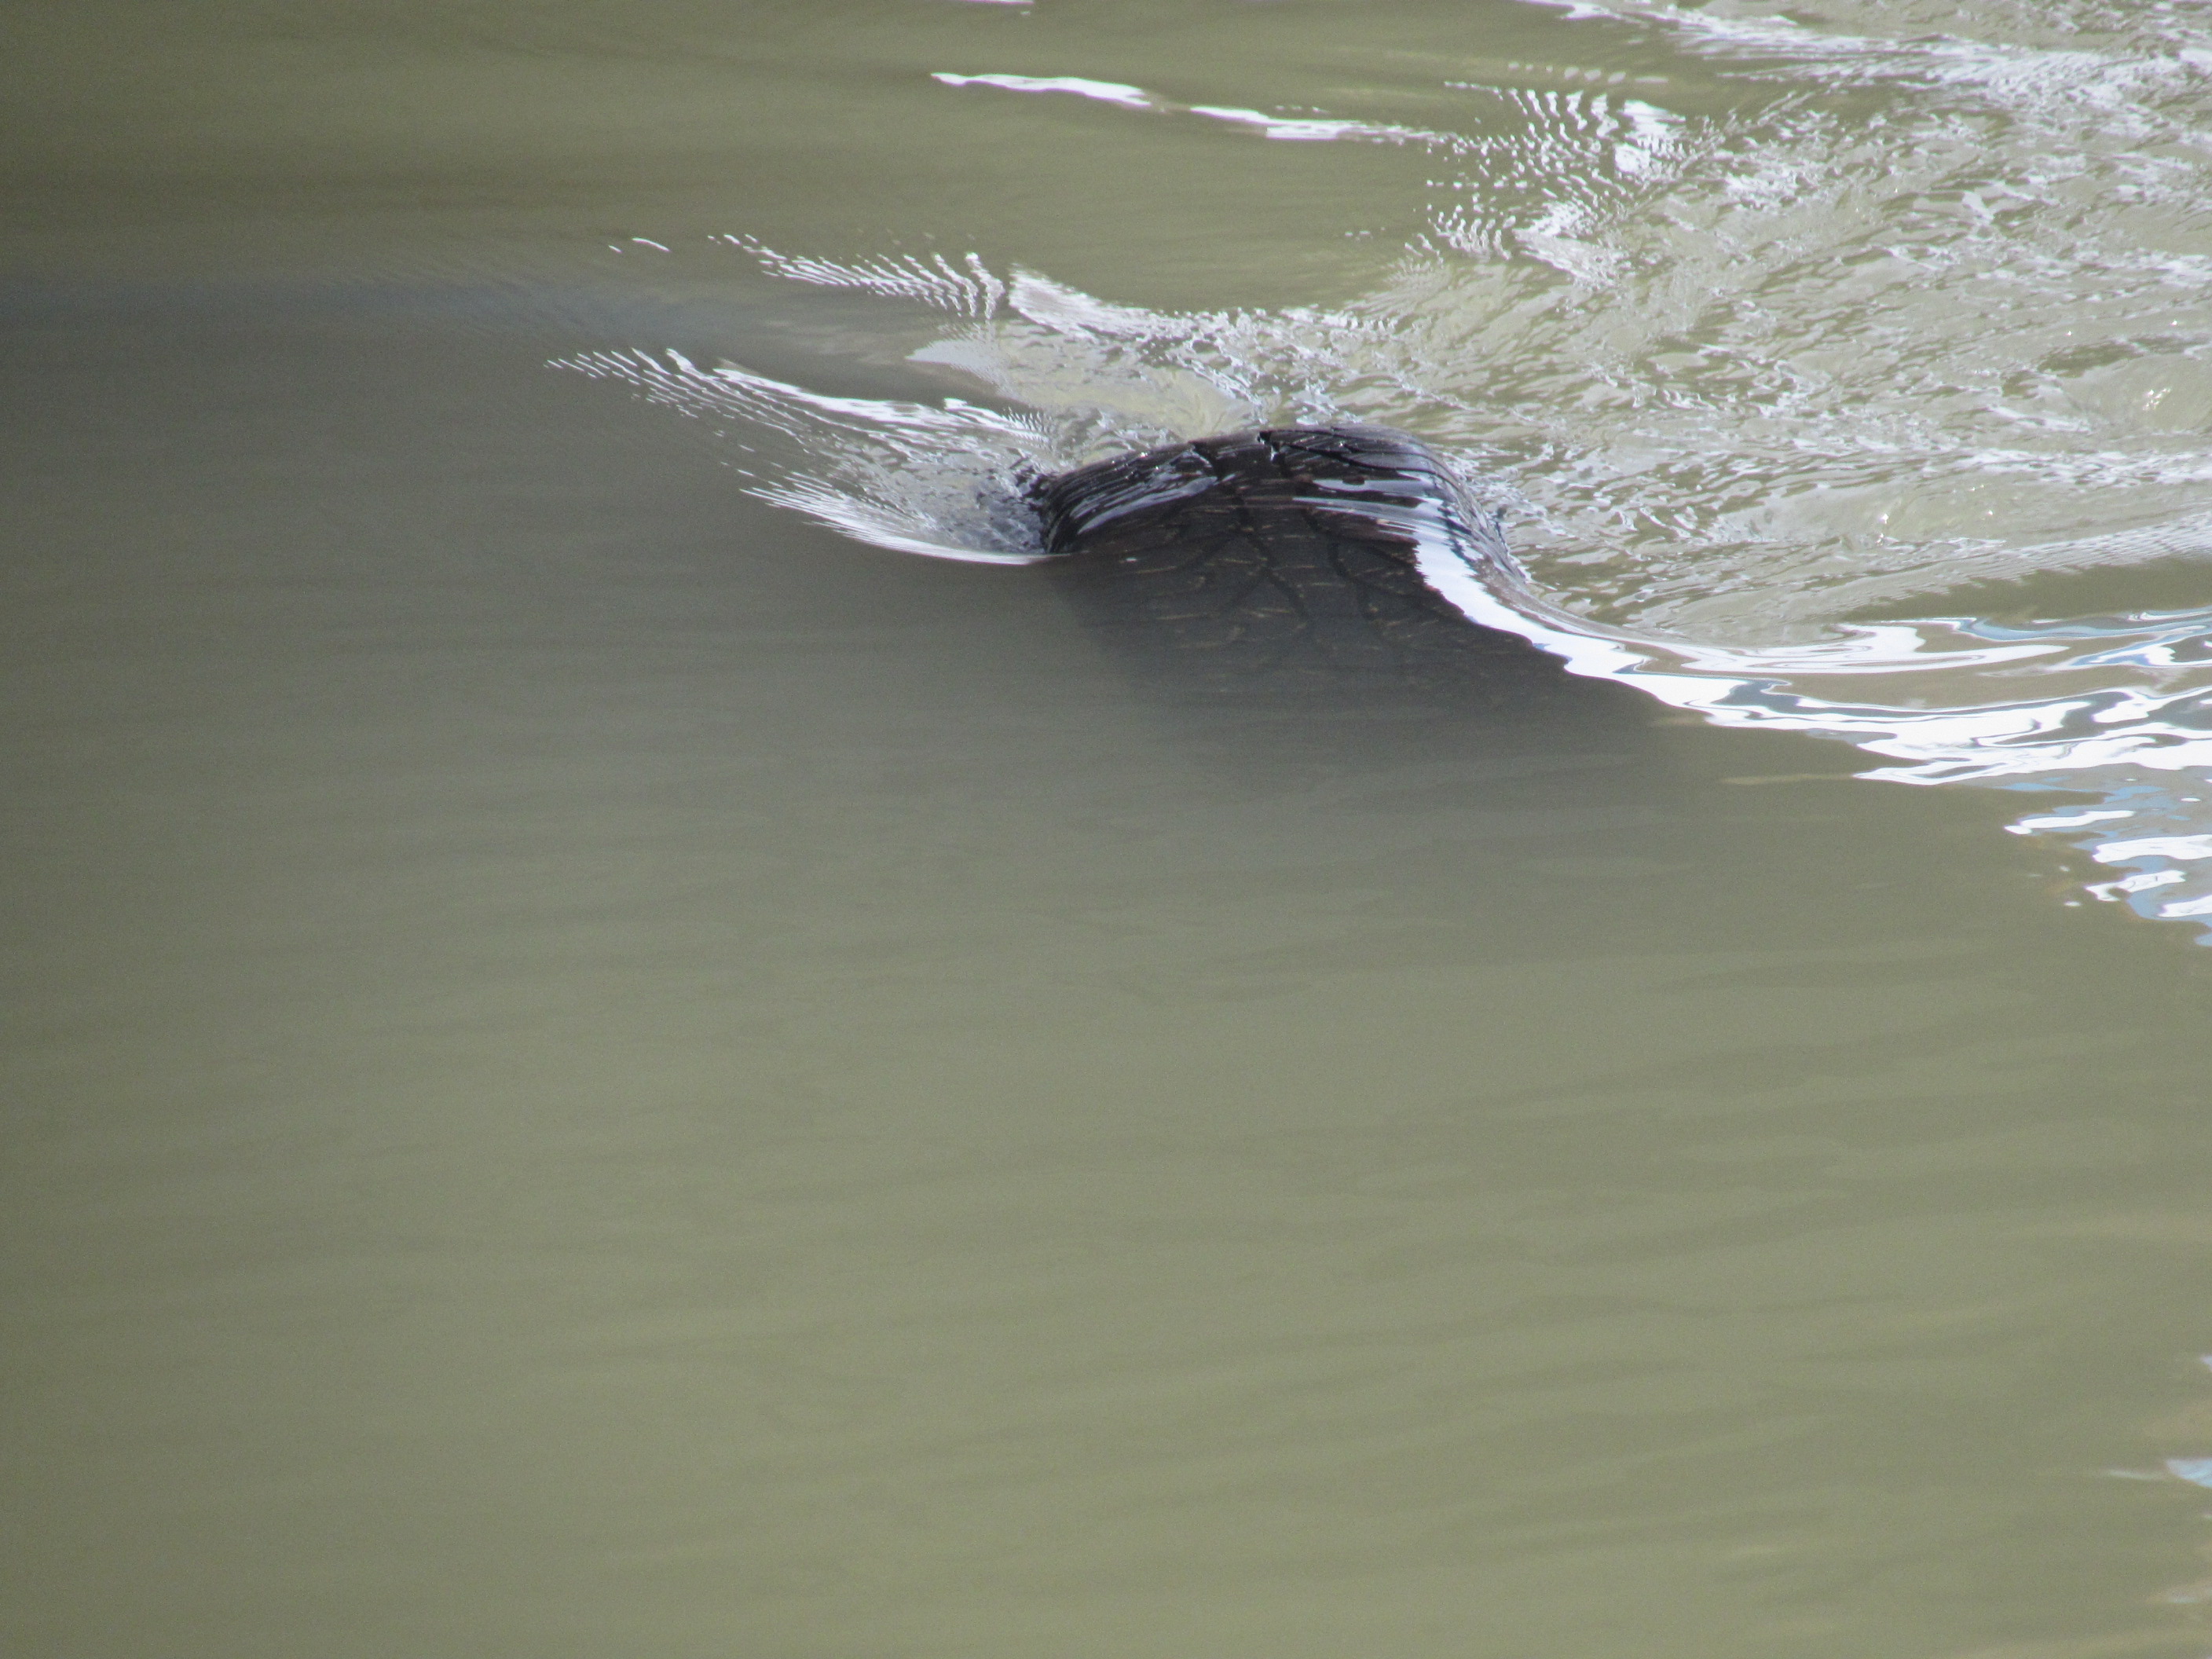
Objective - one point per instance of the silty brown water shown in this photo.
(597, 1067)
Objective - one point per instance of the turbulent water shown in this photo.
(1947, 273)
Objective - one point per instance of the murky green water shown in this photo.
(595, 1068)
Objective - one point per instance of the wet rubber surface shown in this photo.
(1277, 566)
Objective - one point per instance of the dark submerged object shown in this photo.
(1284, 565)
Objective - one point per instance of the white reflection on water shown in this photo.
(1293, 128)
(1892, 316)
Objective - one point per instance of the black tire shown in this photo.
(1245, 565)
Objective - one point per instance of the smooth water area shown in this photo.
(623, 1039)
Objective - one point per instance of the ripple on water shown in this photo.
(1871, 318)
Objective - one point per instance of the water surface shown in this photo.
(605, 1057)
